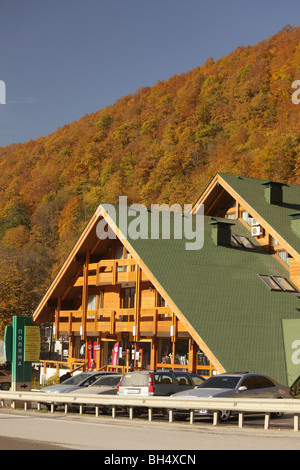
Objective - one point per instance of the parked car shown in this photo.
(5, 380)
(76, 382)
(104, 385)
(244, 385)
(159, 382)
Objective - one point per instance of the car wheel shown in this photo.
(224, 415)
(5, 386)
(180, 417)
(277, 415)
(106, 410)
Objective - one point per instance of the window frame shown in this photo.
(278, 287)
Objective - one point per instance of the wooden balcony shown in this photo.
(111, 272)
(151, 321)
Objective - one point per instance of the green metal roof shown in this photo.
(218, 290)
(277, 215)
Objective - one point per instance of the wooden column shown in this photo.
(85, 294)
(137, 302)
(56, 320)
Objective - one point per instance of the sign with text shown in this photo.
(32, 343)
(21, 370)
(291, 337)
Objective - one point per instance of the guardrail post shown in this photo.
(130, 412)
(191, 416)
(170, 416)
(52, 407)
(150, 414)
(241, 420)
(267, 420)
(215, 418)
(296, 422)
(113, 411)
(97, 410)
(66, 408)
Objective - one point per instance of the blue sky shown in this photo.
(62, 59)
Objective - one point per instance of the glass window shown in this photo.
(278, 283)
(269, 282)
(284, 283)
(182, 352)
(247, 218)
(165, 351)
(197, 380)
(163, 379)
(221, 382)
(243, 241)
(263, 382)
(202, 360)
(128, 297)
(183, 379)
(284, 256)
(249, 382)
(92, 302)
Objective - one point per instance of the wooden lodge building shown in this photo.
(220, 308)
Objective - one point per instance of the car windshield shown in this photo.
(107, 380)
(221, 382)
(76, 379)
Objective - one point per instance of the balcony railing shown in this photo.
(152, 320)
(111, 272)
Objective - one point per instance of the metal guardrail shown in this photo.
(237, 405)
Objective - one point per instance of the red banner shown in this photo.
(89, 354)
(115, 356)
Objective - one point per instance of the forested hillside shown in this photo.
(162, 144)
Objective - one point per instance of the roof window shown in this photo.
(242, 242)
(277, 283)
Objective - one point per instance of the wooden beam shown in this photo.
(56, 321)
(137, 304)
(85, 294)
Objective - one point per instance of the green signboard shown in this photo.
(21, 370)
(22, 346)
(291, 338)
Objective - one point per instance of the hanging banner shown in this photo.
(89, 354)
(115, 356)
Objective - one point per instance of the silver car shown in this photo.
(104, 385)
(76, 382)
(242, 385)
(85, 379)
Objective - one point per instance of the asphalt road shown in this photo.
(38, 431)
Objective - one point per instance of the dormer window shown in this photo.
(277, 283)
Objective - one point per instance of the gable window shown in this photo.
(277, 283)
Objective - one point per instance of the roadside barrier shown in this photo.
(239, 406)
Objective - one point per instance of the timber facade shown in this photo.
(207, 311)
